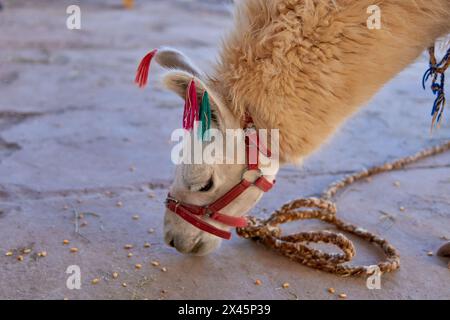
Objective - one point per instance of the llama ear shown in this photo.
(178, 81)
(173, 59)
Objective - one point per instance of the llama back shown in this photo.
(304, 66)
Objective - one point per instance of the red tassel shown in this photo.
(144, 67)
(191, 108)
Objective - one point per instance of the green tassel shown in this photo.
(205, 118)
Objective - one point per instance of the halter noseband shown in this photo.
(194, 214)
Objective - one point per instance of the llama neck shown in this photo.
(306, 68)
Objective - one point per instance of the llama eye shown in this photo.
(208, 186)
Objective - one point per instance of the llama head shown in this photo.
(202, 184)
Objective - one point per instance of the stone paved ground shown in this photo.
(72, 125)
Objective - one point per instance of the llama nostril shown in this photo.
(172, 243)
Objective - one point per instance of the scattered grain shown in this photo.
(66, 242)
(147, 245)
(258, 282)
(138, 266)
(9, 254)
(128, 246)
(136, 217)
(20, 258)
(115, 275)
(95, 281)
(286, 285)
(342, 296)
(73, 250)
(155, 263)
(331, 290)
(119, 204)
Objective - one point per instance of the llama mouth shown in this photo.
(208, 186)
(205, 187)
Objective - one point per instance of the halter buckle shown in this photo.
(171, 199)
(207, 212)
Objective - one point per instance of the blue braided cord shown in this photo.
(444, 59)
(426, 76)
(437, 103)
(431, 69)
(437, 87)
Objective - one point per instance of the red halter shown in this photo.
(193, 214)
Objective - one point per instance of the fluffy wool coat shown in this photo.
(305, 66)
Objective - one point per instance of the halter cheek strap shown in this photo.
(194, 214)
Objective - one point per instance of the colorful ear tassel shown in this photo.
(143, 69)
(191, 110)
(205, 118)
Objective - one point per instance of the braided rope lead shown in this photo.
(295, 246)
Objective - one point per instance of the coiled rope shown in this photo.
(295, 246)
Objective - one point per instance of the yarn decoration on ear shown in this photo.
(143, 69)
(191, 108)
(192, 111)
(205, 118)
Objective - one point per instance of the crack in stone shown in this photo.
(9, 78)
(8, 148)
(306, 174)
(10, 118)
(14, 192)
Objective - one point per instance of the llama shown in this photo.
(300, 66)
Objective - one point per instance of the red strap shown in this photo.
(228, 197)
(195, 210)
(264, 184)
(197, 222)
(253, 139)
(239, 222)
(251, 149)
(190, 212)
